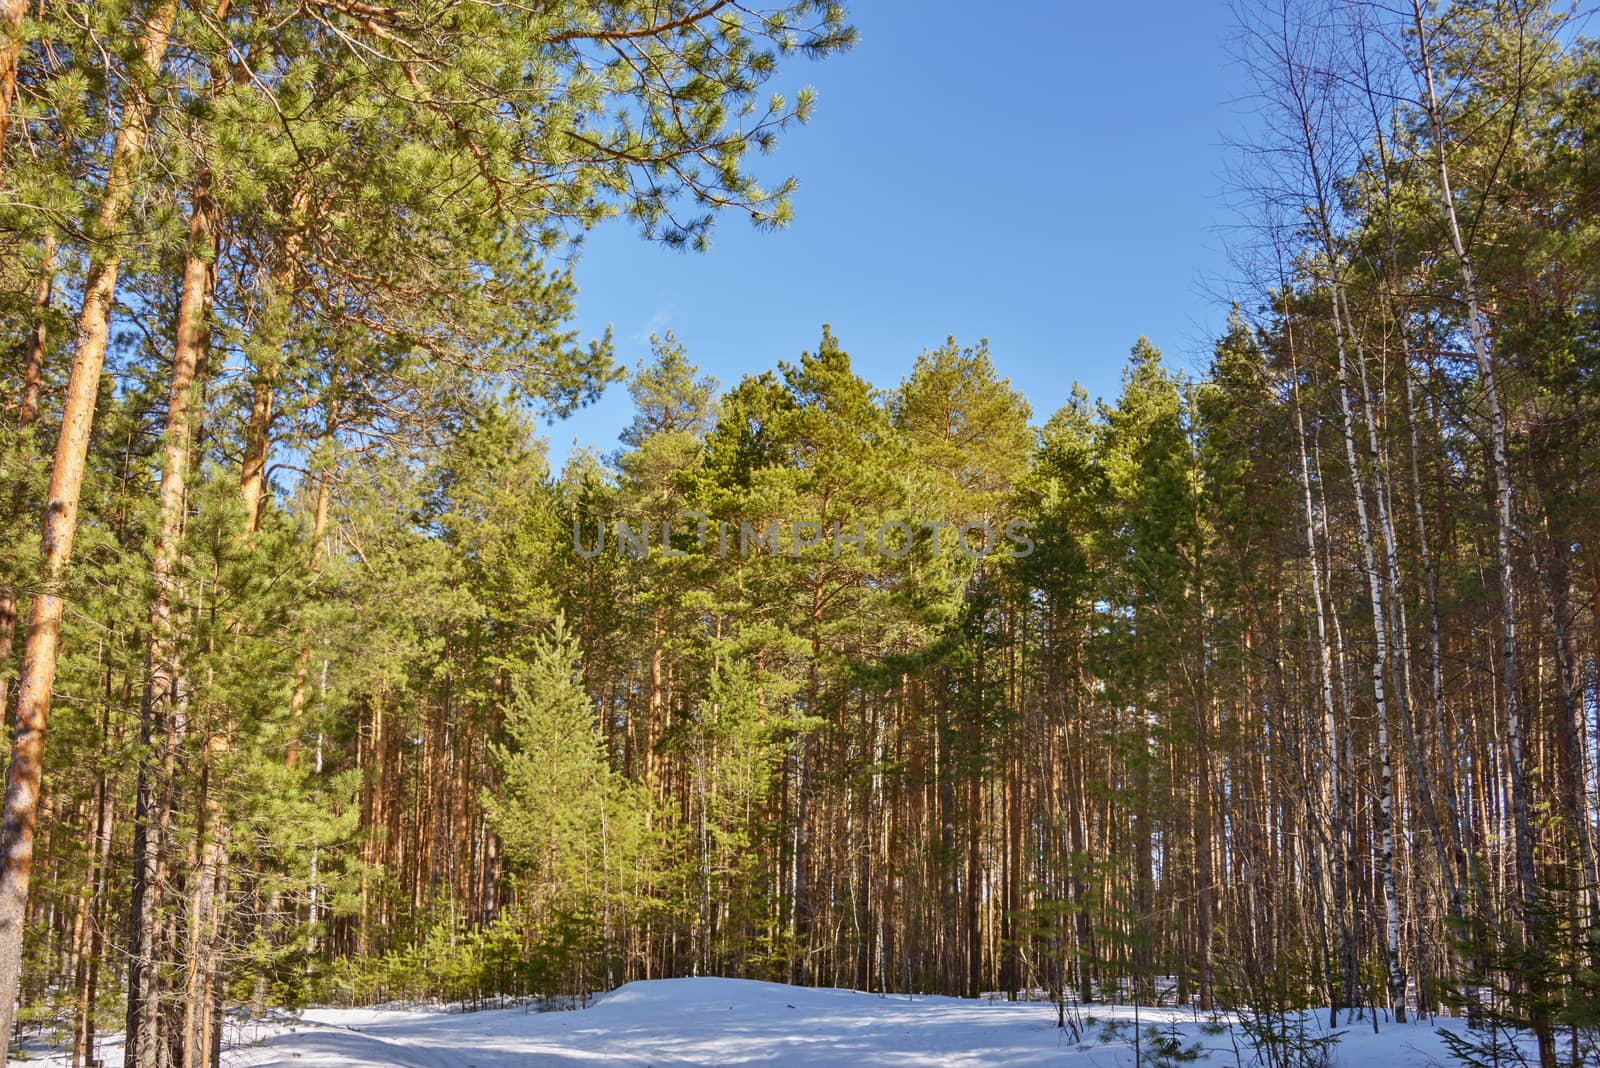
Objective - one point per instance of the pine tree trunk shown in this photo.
(257, 445)
(12, 13)
(27, 411)
(205, 911)
(83, 1037)
(268, 340)
(81, 924)
(163, 695)
(147, 933)
(302, 660)
(61, 516)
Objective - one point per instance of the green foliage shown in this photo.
(1273, 1008)
(469, 966)
(1288, 1038)
(1166, 1047)
(1507, 984)
(573, 830)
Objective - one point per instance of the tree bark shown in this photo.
(12, 13)
(27, 412)
(60, 520)
(302, 660)
(269, 341)
(163, 680)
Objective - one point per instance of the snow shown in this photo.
(670, 1023)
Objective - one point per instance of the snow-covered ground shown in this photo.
(671, 1023)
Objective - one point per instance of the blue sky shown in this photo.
(1048, 175)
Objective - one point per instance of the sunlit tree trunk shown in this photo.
(267, 342)
(60, 520)
(12, 13)
(27, 412)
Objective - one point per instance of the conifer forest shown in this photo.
(1266, 682)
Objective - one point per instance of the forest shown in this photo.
(1269, 683)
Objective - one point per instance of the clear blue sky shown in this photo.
(1046, 174)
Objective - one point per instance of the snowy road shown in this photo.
(679, 1022)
